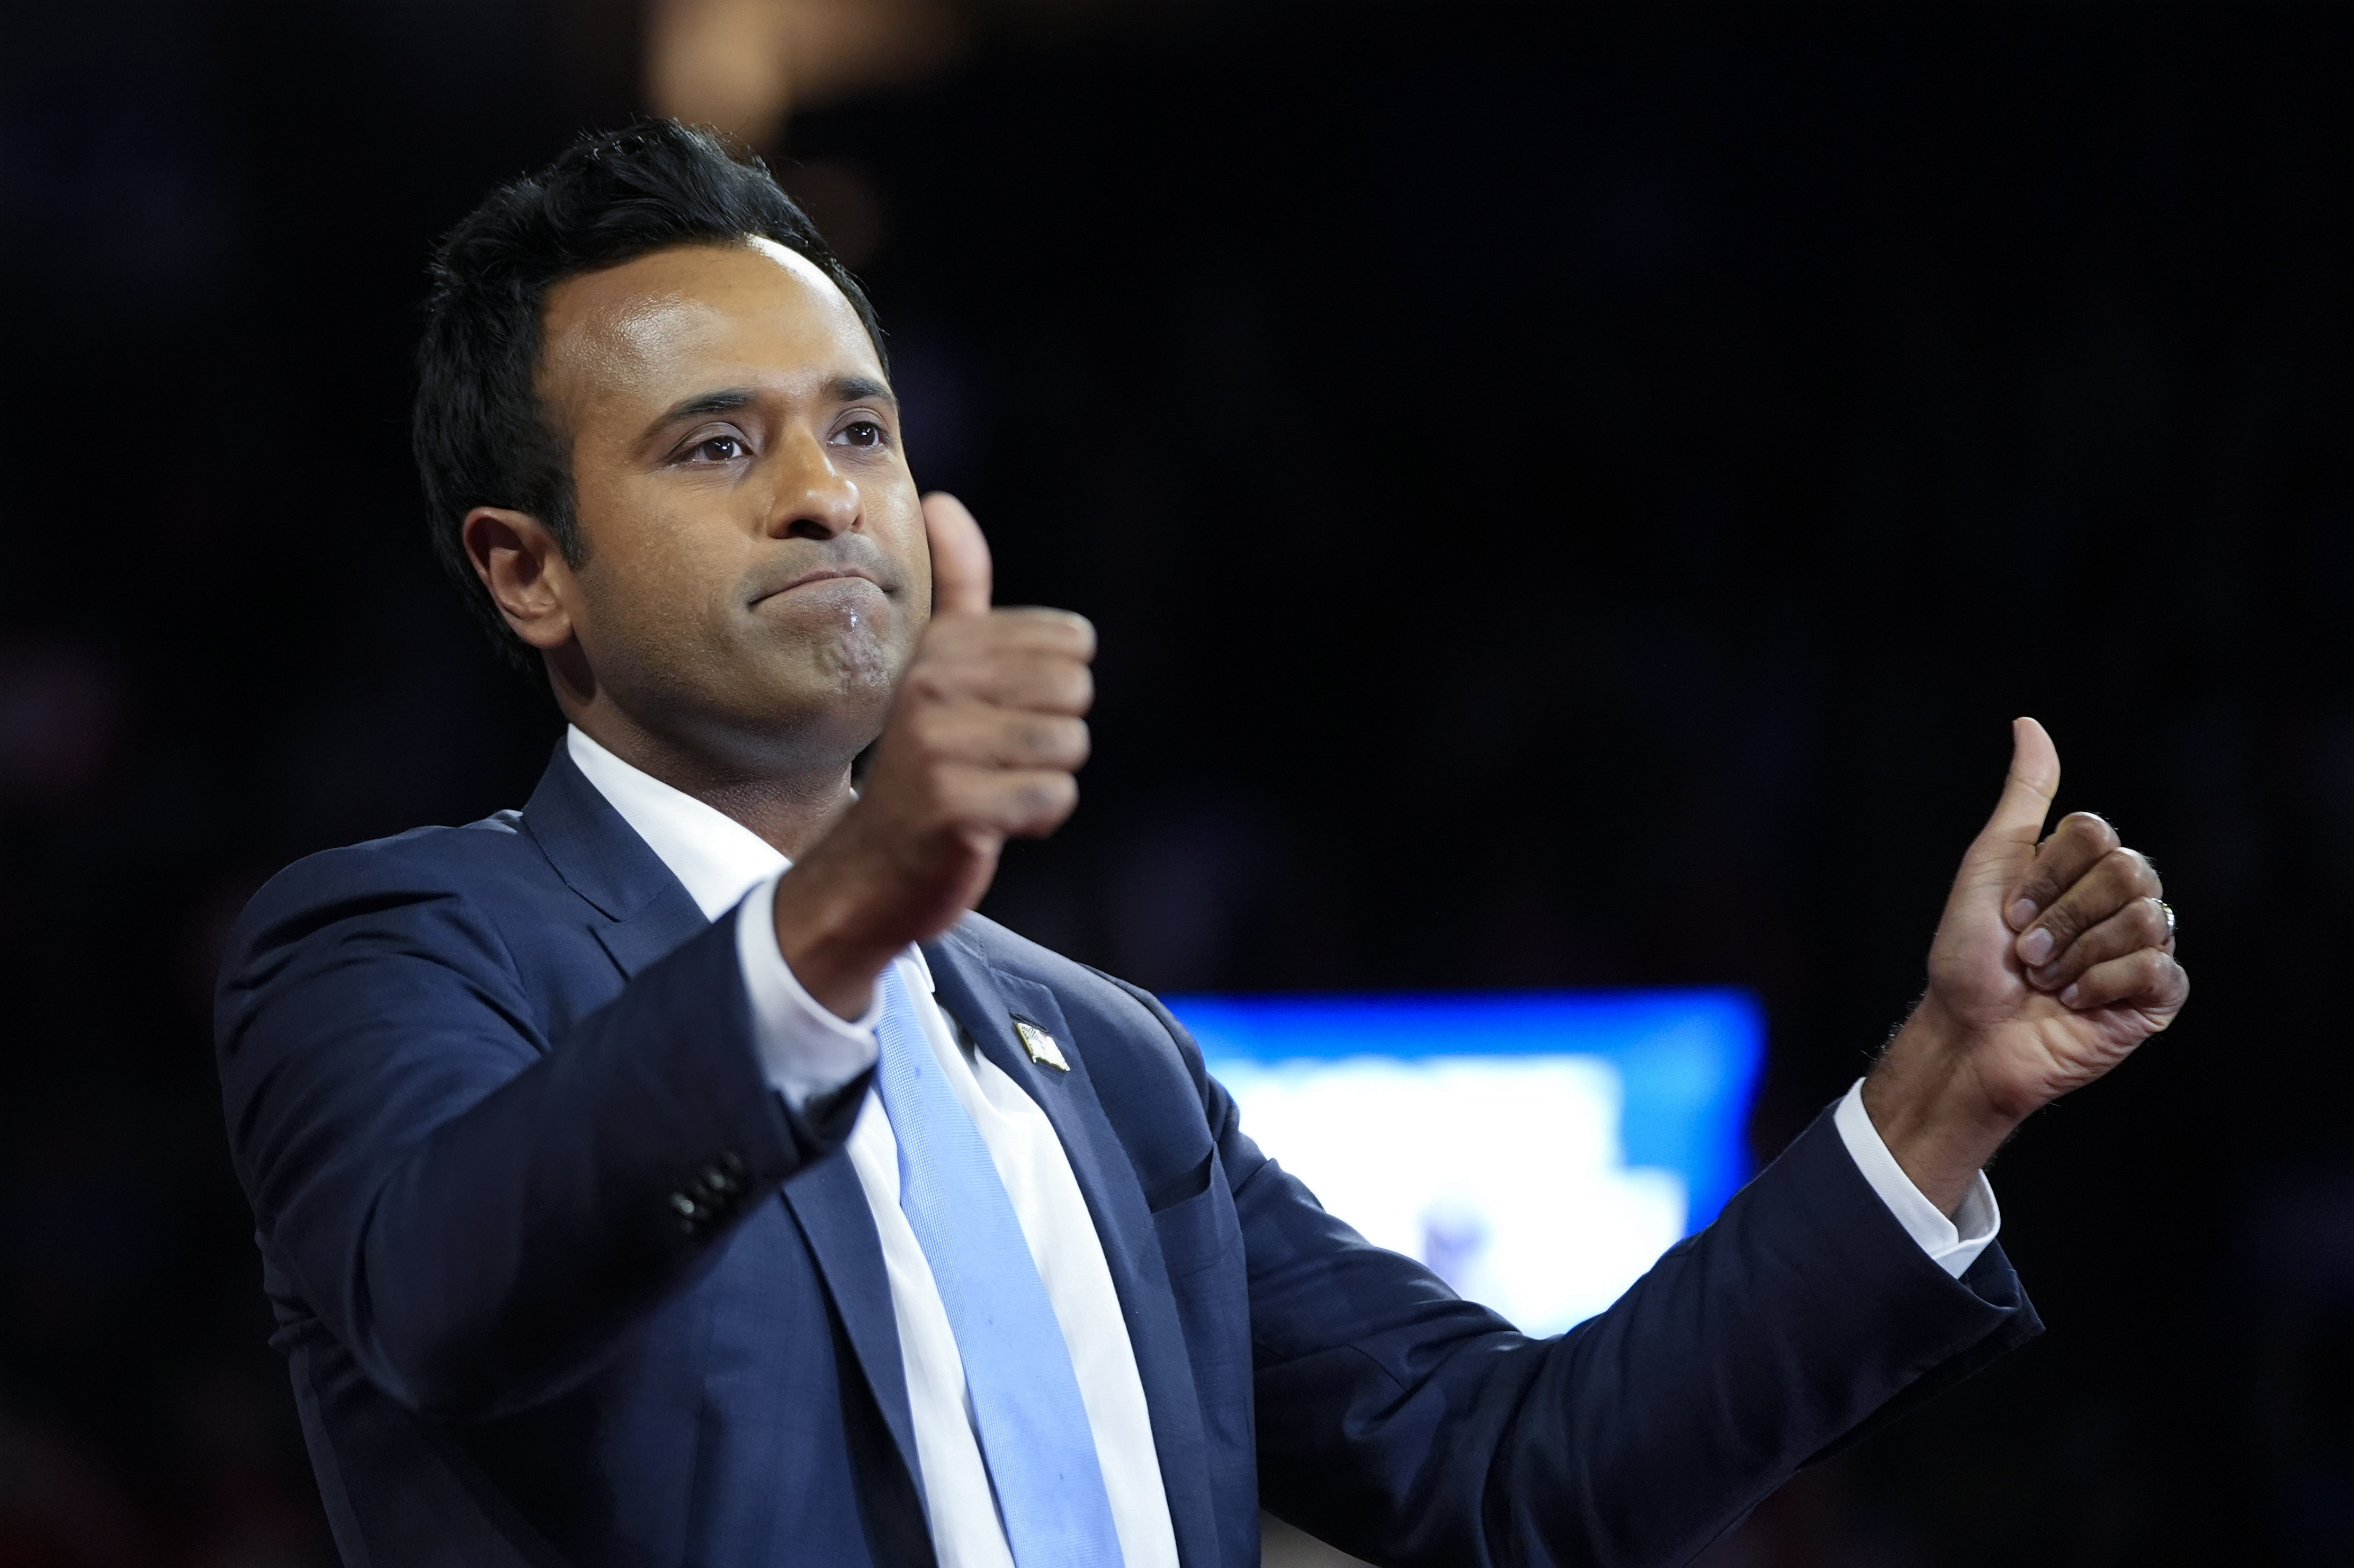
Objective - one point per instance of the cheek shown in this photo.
(896, 523)
(658, 595)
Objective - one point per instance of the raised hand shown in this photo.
(984, 735)
(2053, 962)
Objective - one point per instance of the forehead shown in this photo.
(676, 321)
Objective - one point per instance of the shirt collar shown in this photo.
(717, 858)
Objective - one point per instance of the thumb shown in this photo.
(2018, 820)
(960, 556)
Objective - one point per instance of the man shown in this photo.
(674, 1171)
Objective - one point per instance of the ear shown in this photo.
(522, 565)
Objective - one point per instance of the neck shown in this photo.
(790, 813)
(785, 795)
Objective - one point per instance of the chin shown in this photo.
(839, 648)
(859, 668)
(834, 697)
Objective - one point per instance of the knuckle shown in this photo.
(2108, 881)
(1045, 739)
(2092, 830)
(1045, 798)
(1067, 625)
(1053, 741)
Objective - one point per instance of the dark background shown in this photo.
(1570, 499)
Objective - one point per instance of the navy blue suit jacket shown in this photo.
(562, 1280)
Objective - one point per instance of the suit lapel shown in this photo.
(986, 1000)
(831, 1207)
(648, 915)
(648, 911)
(654, 932)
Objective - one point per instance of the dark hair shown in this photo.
(481, 435)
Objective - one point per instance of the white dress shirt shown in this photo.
(807, 1050)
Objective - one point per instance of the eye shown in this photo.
(863, 433)
(718, 449)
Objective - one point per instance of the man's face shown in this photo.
(756, 573)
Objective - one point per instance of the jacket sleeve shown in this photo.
(480, 1212)
(1408, 1426)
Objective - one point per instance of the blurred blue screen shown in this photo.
(1539, 1149)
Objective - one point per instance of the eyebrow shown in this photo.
(703, 405)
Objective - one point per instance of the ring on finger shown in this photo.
(2167, 910)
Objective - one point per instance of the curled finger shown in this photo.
(1022, 803)
(973, 639)
(1025, 740)
(974, 733)
(1034, 802)
(1039, 682)
(2116, 880)
(2146, 979)
(1030, 678)
(2074, 847)
(2142, 923)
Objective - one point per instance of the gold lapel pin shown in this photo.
(1041, 1046)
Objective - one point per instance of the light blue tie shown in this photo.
(1025, 1398)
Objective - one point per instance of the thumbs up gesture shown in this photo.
(2054, 959)
(985, 732)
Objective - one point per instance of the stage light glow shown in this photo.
(1538, 1149)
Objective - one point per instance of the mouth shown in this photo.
(819, 575)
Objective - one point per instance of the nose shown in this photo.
(814, 499)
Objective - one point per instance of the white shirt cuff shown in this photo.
(1953, 1245)
(805, 1049)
